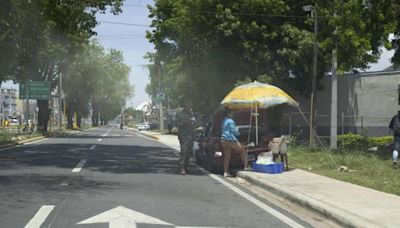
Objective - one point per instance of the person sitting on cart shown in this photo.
(230, 142)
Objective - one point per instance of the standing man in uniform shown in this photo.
(395, 127)
(185, 125)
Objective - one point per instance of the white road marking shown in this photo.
(40, 216)
(258, 203)
(79, 166)
(99, 140)
(92, 147)
(104, 135)
(122, 217)
(33, 142)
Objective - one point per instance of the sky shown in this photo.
(130, 39)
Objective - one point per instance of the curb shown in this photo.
(342, 217)
(31, 140)
(144, 134)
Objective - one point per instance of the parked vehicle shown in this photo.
(14, 121)
(209, 152)
(143, 126)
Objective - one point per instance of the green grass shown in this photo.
(6, 138)
(365, 169)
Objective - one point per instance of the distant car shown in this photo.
(14, 121)
(143, 127)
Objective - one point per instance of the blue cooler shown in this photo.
(271, 168)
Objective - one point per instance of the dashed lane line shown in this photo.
(79, 166)
(40, 216)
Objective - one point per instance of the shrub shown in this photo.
(352, 141)
(380, 141)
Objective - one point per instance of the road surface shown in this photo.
(105, 177)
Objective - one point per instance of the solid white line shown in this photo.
(40, 216)
(258, 203)
(99, 140)
(196, 227)
(33, 142)
(92, 147)
(104, 135)
(79, 166)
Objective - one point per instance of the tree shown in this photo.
(205, 47)
(45, 41)
(97, 79)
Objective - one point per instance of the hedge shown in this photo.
(352, 141)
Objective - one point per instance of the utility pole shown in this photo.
(27, 105)
(314, 14)
(161, 95)
(334, 79)
(60, 108)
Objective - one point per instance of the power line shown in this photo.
(233, 13)
(123, 23)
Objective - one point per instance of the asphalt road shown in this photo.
(111, 178)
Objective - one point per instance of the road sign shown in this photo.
(124, 217)
(38, 90)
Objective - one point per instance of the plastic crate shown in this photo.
(271, 168)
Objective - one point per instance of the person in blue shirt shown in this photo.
(230, 142)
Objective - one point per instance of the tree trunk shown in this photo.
(78, 120)
(95, 119)
(43, 115)
(69, 113)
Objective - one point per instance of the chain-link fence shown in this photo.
(362, 125)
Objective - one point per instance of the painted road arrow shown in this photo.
(122, 217)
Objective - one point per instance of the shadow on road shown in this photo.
(121, 159)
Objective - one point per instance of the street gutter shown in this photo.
(141, 133)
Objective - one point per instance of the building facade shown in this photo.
(366, 103)
(8, 104)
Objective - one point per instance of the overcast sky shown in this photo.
(130, 39)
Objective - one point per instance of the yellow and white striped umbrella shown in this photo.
(261, 94)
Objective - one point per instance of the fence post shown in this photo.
(342, 123)
(362, 125)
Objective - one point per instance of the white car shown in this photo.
(143, 127)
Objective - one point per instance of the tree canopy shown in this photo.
(204, 47)
(41, 38)
(98, 80)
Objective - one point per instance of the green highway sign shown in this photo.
(38, 90)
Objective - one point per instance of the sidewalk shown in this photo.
(348, 204)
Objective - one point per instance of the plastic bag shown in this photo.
(265, 158)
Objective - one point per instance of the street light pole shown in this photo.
(314, 14)
(60, 108)
(334, 81)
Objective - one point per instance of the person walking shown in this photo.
(230, 142)
(185, 125)
(395, 127)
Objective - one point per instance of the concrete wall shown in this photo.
(367, 101)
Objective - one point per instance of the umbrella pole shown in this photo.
(248, 137)
(256, 124)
